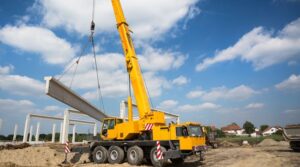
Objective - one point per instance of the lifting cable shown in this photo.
(99, 93)
(90, 39)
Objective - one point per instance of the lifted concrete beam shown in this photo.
(60, 92)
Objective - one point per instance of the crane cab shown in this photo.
(190, 136)
(109, 131)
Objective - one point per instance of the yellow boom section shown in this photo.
(132, 64)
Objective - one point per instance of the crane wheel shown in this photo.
(155, 162)
(115, 155)
(135, 155)
(100, 155)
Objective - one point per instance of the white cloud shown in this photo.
(6, 69)
(181, 80)
(153, 59)
(289, 111)
(292, 83)
(262, 48)
(54, 50)
(236, 93)
(53, 108)
(113, 77)
(148, 19)
(10, 105)
(194, 94)
(21, 85)
(255, 106)
(167, 104)
(198, 107)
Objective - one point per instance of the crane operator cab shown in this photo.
(191, 137)
(108, 127)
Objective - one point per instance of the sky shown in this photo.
(210, 61)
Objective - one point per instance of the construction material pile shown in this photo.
(14, 146)
(271, 142)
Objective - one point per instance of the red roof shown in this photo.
(231, 127)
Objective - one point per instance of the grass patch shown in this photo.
(251, 140)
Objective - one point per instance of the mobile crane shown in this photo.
(137, 138)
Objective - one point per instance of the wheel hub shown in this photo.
(114, 155)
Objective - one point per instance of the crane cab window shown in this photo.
(181, 131)
(119, 121)
(111, 124)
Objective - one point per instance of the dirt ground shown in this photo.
(267, 153)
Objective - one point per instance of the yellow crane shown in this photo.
(136, 139)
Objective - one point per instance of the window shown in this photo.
(195, 131)
(119, 121)
(181, 131)
(111, 124)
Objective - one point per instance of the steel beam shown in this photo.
(60, 92)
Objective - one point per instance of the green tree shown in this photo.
(220, 133)
(263, 127)
(249, 127)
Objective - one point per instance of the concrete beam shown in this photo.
(60, 92)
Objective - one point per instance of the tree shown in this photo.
(249, 127)
(220, 133)
(263, 127)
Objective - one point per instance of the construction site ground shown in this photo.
(267, 153)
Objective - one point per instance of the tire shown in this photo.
(115, 155)
(155, 162)
(177, 161)
(135, 155)
(100, 155)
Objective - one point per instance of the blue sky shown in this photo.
(213, 62)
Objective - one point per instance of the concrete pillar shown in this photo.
(73, 135)
(30, 134)
(1, 123)
(26, 128)
(61, 132)
(178, 120)
(53, 133)
(15, 132)
(95, 129)
(122, 109)
(37, 133)
(65, 126)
